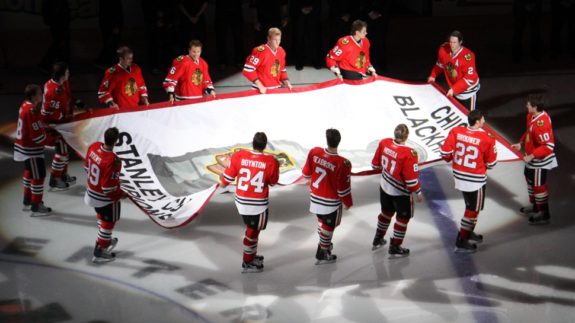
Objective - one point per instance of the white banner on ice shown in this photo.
(173, 155)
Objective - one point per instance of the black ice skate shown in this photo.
(378, 242)
(254, 266)
(464, 246)
(396, 251)
(324, 256)
(539, 218)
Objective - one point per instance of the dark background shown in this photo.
(407, 36)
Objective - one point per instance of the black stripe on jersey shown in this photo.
(98, 197)
(30, 150)
(229, 178)
(542, 162)
(393, 182)
(474, 178)
(344, 192)
(323, 201)
(251, 201)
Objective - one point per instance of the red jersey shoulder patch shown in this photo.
(467, 57)
(540, 123)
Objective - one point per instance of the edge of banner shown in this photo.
(190, 219)
(105, 111)
(497, 136)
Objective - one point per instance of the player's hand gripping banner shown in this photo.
(173, 155)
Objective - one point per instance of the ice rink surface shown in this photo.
(521, 273)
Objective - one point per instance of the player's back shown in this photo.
(255, 171)
(393, 158)
(329, 180)
(103, 170)
(473, 152)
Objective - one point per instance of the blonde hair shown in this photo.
(401, 132)
(274, 32)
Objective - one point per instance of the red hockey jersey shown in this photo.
(123, 86)
(350, 55)
(400, 172)
(267, 66)
(103, 168)
(459, 69)
(473, 151)
(30, 134)
(188, 79)
(540, 141)
(330, 182)
(56, 102)
(254, 171)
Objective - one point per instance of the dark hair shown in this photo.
(59, 70)
(537, 100)
(401, 132)
(333, 137)
(473, 117)
(111, 136)
(194, 43)
(260, 141)
(123, 51)
(457, 34)
(31, 90)
(357, 25)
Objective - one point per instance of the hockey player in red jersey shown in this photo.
(123, 85)
(266, 65)
(330, 186)
(29, 148)
(458, 65)
(189, 77)
(399, 180)
(349, 58)
(104, 193)
(254, 172)
(56, 108)
(472, 151)
(539, 144)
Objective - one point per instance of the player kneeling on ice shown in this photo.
(255, 171)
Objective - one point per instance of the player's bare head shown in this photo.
(359, 27)
(126, 55)
(32, 92)
(111, 136)
(274, 37)
(274, 31)
(60, 71)
(456, 34)
(195, 49)
(124, 51)
(455, 40)
(537, 101)
(474, 117)
(195, 43)
(401, 133)
(260, 141)
(333, 137)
